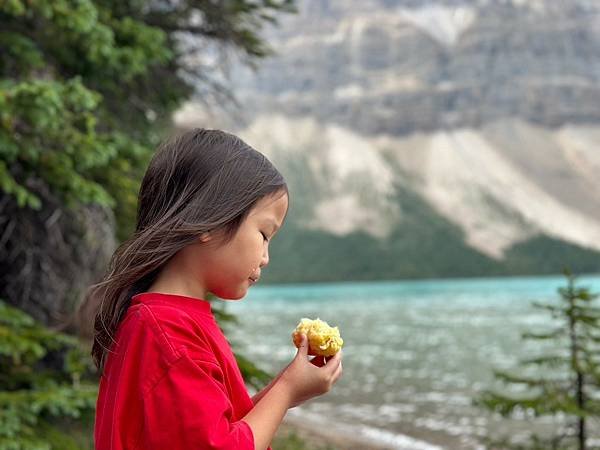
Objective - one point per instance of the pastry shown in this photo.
(323, 340)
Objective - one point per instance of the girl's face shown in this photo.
(229, 270)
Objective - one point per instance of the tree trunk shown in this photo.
(580, 404)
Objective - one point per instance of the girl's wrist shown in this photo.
(283, 391)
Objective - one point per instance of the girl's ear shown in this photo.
(205, 237)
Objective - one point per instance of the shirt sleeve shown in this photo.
(189, 409)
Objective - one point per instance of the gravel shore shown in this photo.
(316, 437)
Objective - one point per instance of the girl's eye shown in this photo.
(263, 235)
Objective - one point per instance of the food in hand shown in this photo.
(323, 340)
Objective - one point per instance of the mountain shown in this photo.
(431, 138)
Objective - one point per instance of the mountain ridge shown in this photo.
(431, 138)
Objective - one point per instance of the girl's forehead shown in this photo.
(271, 206)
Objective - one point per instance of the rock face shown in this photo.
(405, 66)
(50, 258)
(501, 184)
(487, 111)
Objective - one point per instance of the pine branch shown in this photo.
(544, 336)
(547, 360)
(575, 394)
(510, 378)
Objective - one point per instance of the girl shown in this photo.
(209, 205)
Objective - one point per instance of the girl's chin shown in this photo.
(234, 295)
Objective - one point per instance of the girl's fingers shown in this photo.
(335, 361)
(338, 372)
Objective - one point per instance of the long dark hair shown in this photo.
(199, 181)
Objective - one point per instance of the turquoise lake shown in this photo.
(416, 353)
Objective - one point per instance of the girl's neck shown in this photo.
(171, 280)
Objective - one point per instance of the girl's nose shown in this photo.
(265, 258)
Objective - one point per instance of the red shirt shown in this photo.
(172, 381)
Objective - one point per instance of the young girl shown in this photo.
(209, 205)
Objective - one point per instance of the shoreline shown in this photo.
(318, 430)
(314, 436)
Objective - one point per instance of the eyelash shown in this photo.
(264, 237)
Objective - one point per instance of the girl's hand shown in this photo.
(306, 378)
(318, 361)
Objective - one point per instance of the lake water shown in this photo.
(415, 352)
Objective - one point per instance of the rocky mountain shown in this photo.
(431, 137)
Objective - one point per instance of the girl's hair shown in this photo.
(197, 182)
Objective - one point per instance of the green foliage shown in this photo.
(60, 59)
(48, 386)
(292, 441)
(254, 376)
(49, 129)
(565, 379)
(46, 377)
(87, 89)
(545, 255)
(422, 245)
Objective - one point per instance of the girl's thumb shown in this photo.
(303, 349)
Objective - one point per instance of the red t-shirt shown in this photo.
(171, 381)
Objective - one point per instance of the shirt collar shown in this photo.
(183, 301)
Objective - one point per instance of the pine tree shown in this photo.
(87, 90)
(566, 380)
(46, 379)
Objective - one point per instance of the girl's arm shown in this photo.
(299, 382)
(256, 398)
(268, 413)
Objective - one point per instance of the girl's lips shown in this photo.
(255, 278)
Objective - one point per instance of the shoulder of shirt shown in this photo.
(176, 332)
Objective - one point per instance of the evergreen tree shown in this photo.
(46, 381)
(87, 90)
(565, 381)
(49, 386)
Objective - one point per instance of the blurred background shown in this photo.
(442, 159)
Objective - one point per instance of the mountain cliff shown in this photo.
(431, 138)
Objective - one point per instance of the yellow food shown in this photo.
(322, 339)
